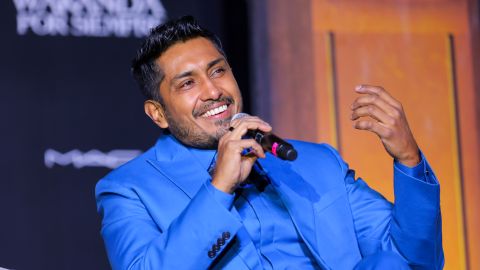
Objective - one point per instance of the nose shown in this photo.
(210, 90)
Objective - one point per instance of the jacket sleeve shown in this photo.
(410, 227)
(134, 241)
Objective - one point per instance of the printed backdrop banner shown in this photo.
(70, 112)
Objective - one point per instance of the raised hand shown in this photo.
(233, 166)
(378, 112)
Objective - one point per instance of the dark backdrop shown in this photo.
(75, 96)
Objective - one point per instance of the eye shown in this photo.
(218, 72)
(187, 84)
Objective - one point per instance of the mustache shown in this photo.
(208, 105)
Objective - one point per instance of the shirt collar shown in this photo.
(206, 157)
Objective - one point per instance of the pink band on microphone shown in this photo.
(274, 148)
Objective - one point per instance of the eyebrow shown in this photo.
(214, 62)
(189, 72)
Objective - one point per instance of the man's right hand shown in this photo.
(232, 167)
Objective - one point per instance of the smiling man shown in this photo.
(208, 197)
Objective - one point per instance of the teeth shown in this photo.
(215, 111)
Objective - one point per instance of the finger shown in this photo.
(377, 90)
(239, 146)
(250, 160)
(250, 125)
(241, 128)
(237, 121)
(264, 126)
(373, 112)
(375, 127)
(372, 99)
(257, 150)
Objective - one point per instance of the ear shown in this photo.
(156, 112)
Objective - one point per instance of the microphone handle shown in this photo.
(274, 144)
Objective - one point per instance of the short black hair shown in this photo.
(144, 69)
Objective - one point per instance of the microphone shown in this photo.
(270, 142)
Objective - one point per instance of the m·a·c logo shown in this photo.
(93, 18)
(92, 158)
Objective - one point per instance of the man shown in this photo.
(206, 197)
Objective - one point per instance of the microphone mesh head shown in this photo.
(239, 115)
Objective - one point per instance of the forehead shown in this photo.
(187, 56)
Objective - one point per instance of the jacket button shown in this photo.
(215, 248)
(226, 235)
(220, 241)
(211, 254)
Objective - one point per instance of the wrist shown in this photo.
(410, 160)
(222, 186)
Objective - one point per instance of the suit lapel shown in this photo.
(335, 230)
(323, 219)
(178, 164)
(297, 195)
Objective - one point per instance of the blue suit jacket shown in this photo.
(159, 214)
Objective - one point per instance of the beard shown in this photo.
(192, 135)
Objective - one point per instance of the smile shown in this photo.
(215, 111)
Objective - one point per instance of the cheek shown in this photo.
(231, 87)
(183, 105)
